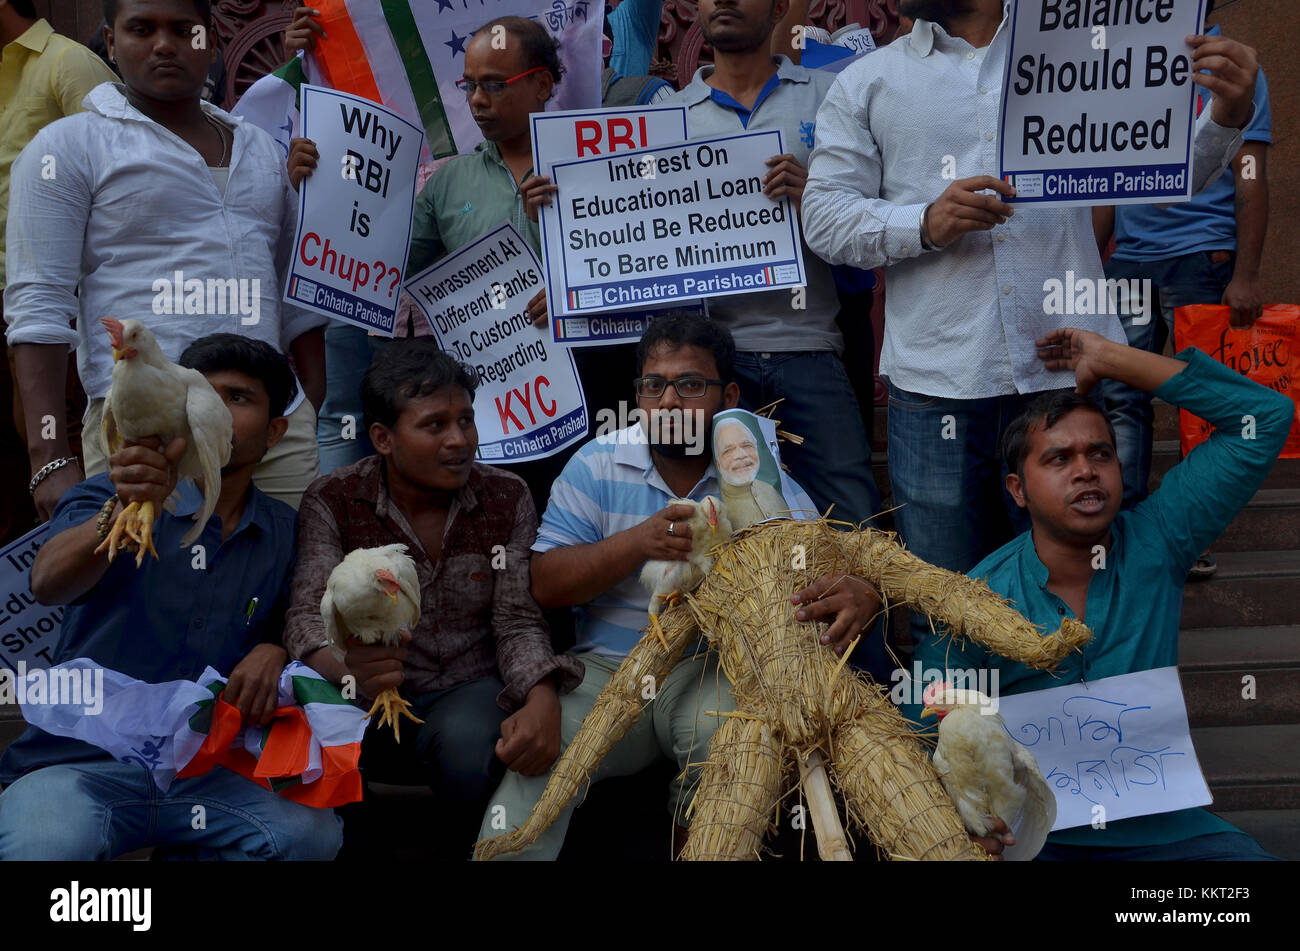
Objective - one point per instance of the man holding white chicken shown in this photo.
(168, 620)
(611, 511)
(478, 668)
(1065, 471)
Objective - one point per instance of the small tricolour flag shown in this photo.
(408, 54)
(309, 752)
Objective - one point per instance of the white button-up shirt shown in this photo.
(110, 200)
(960, 322)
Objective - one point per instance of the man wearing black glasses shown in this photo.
(610, 511)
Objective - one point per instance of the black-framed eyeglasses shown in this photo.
(687, 387)
(493, 87)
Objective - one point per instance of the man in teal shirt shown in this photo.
(1064, 469)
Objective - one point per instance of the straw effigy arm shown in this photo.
(616, 709)
(968, 606)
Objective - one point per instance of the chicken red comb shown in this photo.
(386, 577)
(114, 328)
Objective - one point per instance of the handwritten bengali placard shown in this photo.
(1120, 743)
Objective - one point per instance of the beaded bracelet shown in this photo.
(105, 514)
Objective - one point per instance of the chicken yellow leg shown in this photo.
(134, 525)
(654, 628)
(394, 706)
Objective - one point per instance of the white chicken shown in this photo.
(667, 581)
(986, 772)
(372, 595)
(152, 397)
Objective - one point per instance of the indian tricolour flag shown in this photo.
(408, 54)
(309, 752)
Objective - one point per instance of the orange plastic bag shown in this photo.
(1266, 353)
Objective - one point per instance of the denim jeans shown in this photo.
(348, 352)
(1191, 279)
(100, 809)
(946, 471)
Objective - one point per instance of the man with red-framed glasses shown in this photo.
(473, 193)
(512, 66)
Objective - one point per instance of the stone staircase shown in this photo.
(1244, 622)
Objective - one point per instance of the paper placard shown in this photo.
(1121, 743)
(529, 402)
(354, 211)
(657, 226)
(1097, 102)
(582, 133)
(29, 630)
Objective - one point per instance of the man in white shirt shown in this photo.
(965, 270)
(157, 206)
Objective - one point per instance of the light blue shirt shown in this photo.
(1135, 601)
(609, 486)
(1206, 223)
(636, 32)
(960, 322)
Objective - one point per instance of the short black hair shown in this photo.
(25, 9)
(204, 8)
(1047, 410)
(256, 358)
(408, 369)
(690, 330)
(540, 48)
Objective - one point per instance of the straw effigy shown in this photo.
(794, 698)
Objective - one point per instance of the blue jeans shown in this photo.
(945, 467)
(1191, 279)
(834, 463)
(348, 352)
(100, 809)
(1215, 847)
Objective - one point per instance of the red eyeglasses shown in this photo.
(493, 87)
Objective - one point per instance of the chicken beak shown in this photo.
(393, 595)
(928, 712)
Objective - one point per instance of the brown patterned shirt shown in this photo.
(474, 620)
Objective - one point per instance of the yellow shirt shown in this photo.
(43, 77)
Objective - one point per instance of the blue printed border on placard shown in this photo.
(737, 273)
(523, 449)
(1107, 174)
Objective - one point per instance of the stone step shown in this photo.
(1212, 663)
(1250, 588)
(1285, 473)
(1247, 768)
(1277, 830)
(1269, 522)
